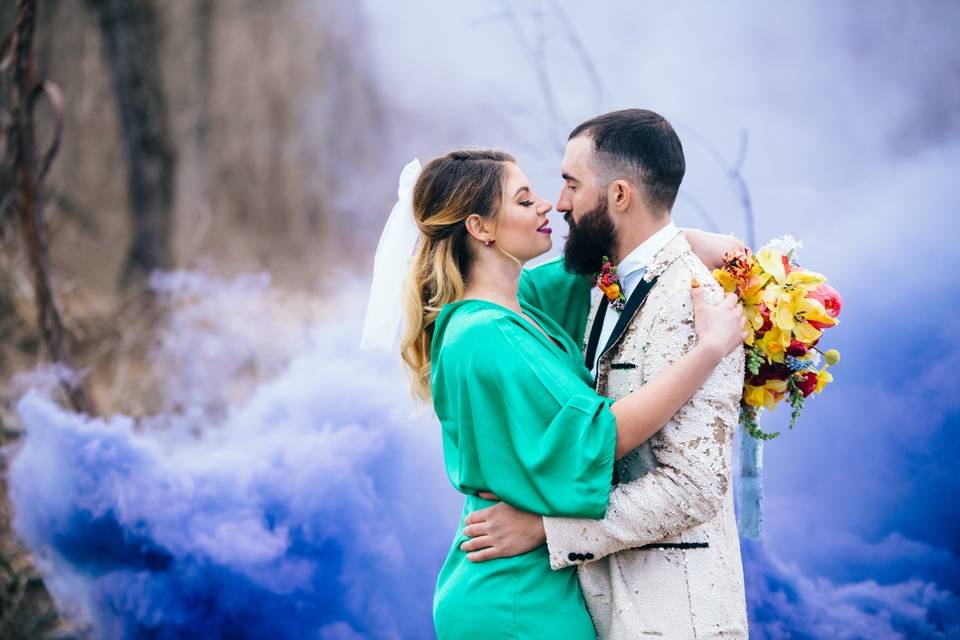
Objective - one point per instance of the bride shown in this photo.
(519, 414)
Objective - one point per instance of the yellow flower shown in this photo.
(790, 308)
(832, 357)
(775, 389)
(754, 396)
(726, 280)
(774, 344)
(824, 378)
(772, 262)
(767, 396)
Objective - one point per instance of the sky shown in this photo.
(332, 482)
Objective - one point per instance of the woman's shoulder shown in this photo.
(469, 322)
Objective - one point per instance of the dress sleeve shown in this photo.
(543, 440)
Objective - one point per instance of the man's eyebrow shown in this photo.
(569, 178)
(520, 190)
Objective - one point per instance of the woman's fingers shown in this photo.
(475, 544)
(697, 294)
(474, 530)
(485, 554)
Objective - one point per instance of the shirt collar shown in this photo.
(641, 256)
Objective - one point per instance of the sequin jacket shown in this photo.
(665, 561)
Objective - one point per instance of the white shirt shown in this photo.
(631, 270)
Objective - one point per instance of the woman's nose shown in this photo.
(545, 207)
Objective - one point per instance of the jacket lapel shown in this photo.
(630, 309)
(595, 331)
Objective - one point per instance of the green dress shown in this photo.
(519, 418)
(562, 295)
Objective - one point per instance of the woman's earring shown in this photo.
(488, 243)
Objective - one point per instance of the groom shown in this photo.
(665, 561)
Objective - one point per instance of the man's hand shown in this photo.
(501, 531)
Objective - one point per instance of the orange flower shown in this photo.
(612, 290)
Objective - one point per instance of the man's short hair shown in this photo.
(640, 146)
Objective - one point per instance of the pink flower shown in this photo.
(831, 301)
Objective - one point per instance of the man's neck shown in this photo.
(636, 234)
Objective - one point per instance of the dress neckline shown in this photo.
(532, 325)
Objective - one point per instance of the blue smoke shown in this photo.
(317, 508)
(316, 504)
(784, 603)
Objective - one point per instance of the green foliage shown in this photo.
(748, 418)
(796, 400)
(754, 360)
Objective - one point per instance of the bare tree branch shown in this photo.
(733, 173)
(53, 93)
(28, 202)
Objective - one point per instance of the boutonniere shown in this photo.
(609, 283)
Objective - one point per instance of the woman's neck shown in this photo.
(494, 281)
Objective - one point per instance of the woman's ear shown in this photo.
(476, 227)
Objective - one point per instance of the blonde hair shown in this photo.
(449, 189)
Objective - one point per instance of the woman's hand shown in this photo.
(721, 327)
(710, 247)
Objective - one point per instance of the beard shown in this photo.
(590, 240)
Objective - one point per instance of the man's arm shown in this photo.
(686, 489)
(690, 481)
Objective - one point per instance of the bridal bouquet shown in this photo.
(788, 309)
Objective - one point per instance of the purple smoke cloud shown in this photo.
(317, 505)
(312, 508)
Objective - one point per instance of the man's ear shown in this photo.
(620, 195)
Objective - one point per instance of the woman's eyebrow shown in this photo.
(521, 189)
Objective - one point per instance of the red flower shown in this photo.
(769, 372)
(767, 322)
(806, 382)
(797, 349)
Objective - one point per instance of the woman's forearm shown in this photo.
(710, 247)
(643, 412)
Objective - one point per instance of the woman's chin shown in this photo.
(543, 247)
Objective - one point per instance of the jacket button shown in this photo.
(571, 556)
(588, 556)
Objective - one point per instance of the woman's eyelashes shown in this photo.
(527, 203)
